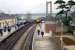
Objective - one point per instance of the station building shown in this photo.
(7, 20)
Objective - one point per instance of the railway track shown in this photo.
(27, 45)
(10, 41)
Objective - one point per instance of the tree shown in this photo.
(65, 9)
(70, 3)
(59, 2)
(60, 12)
(68, 6)
(61, 6)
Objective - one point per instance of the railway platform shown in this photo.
(43, 43)
(6, 34)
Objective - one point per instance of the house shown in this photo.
(7, 20)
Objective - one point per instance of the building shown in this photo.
(7, 20)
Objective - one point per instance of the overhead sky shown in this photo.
(24, 6)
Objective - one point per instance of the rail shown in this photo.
(28, 41)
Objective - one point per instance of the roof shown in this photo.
(6, 16)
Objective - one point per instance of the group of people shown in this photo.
(5, 29)
(40, 32)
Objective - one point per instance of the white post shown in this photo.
(61, 38)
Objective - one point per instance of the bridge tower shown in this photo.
(48, 10)
(28, 15)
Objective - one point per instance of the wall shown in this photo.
(7, 22)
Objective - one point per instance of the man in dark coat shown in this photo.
(9, 29)
(1, 32)
(38, 31)
(42, 33)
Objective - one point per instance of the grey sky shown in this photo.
(24, 6)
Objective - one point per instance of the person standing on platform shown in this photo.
(1, 32)
(9, 29)
(38, 31)
(42, 33)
